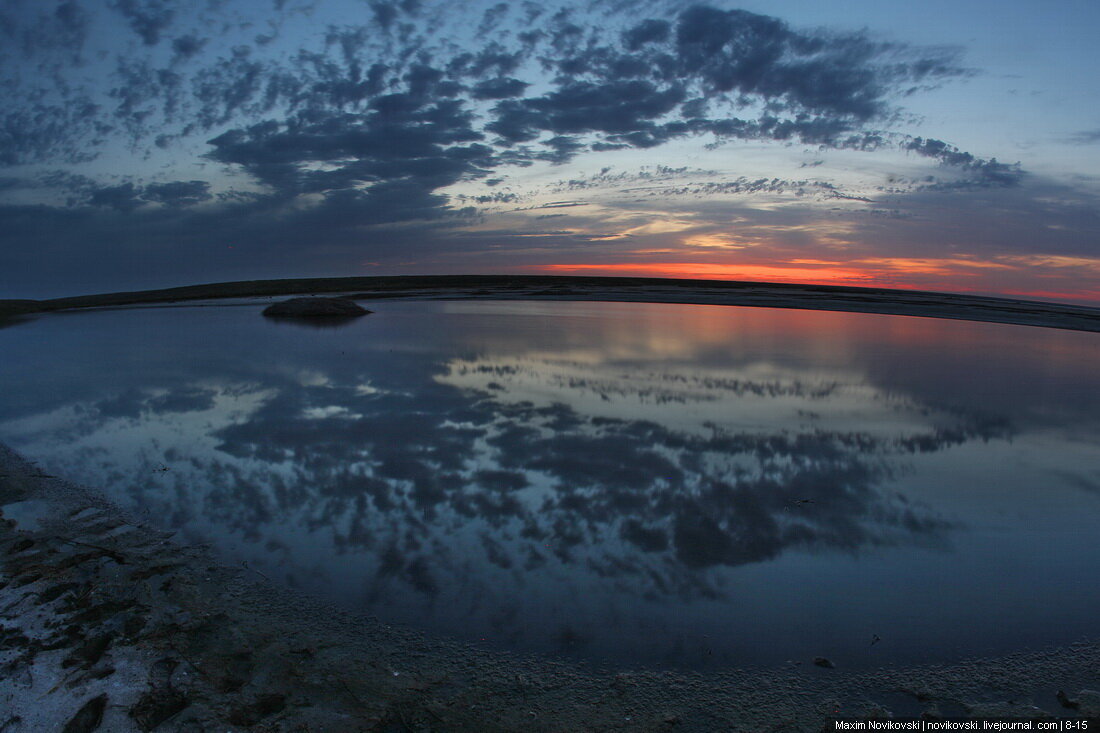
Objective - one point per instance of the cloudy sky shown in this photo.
(945, 145)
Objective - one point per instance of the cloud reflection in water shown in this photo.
(548, 499)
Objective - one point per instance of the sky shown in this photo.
(949, 146)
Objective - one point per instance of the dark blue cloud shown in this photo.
(648, 31)
(369, 125)
(401, 146)
(177, 193)
(1086, 137)
(68, 132)
(126, 197)
(654, 82)
(620, 107)
(147, 18)
(123, 197)
(981, 172)
(499, 88)
(49, 36)
(185, 47)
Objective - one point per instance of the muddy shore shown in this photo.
(107, 623)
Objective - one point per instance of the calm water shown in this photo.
(661, 485)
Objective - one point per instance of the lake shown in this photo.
(622, 484)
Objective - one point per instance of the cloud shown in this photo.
(133, 403)
(981, 172)
(618, 107)
(126, 197)
(236, 83)
(123, 197)
(178, 193)
(185, 47)
(617, 90)
(1085, 137)
(376, 132)
(59, 133)
(648, 31)
(47, 37)
(499, 88)
(391, 159)
(386, 12)
(147, 18)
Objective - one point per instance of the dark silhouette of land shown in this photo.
(624, 289)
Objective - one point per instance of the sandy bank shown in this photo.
(107, 623)
(620, 289)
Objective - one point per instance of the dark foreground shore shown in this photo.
(622, 289)
(109, 624)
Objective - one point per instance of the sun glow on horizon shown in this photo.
(959, 275)
(711, 271)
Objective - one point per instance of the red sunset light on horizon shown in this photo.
(925, 275)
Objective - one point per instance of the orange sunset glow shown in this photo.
(712, 271)
(947, 275)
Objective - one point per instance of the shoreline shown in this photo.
(617, 289)
(99, 610)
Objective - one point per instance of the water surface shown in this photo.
(631, 484)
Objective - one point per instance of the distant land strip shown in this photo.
(621, 289)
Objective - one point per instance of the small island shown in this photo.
(315, 308)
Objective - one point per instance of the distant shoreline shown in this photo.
(620, 289)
